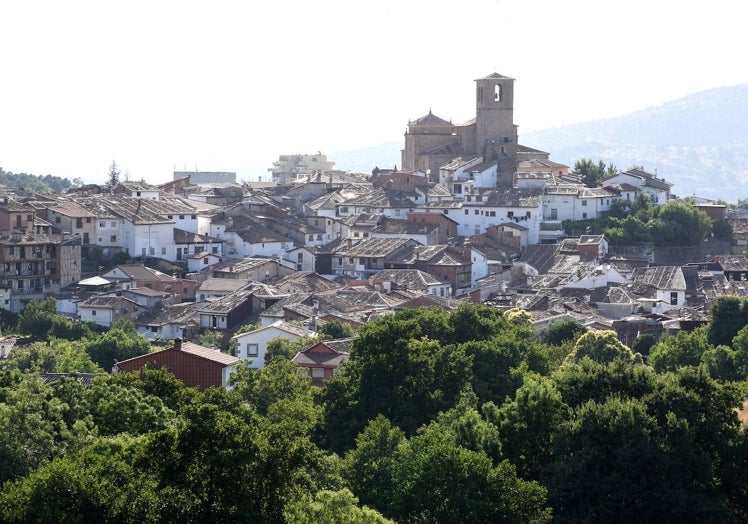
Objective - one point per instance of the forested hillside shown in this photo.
(39, 183)
(463, 416)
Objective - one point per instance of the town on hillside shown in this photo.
(471, 216)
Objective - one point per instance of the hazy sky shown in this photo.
(229, 85)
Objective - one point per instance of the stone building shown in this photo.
(431, 141)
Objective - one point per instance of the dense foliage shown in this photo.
(464, 416)
(38, 183)
(670, 225)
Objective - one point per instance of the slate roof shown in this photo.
(412, 279)
(732, 262)
(307, 282)
(382, 198)
(108, 302)
(258, 234)
(181, 314)
(376, 247)
(222, 285)
(394, 226)
(513, 197)
(142, 273)
(660, 277)
(225, 304)
(186, 237)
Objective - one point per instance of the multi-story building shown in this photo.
(288, 167)
(32, 266)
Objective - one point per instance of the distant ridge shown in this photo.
(698, 142)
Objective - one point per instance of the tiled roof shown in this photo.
(431, 119)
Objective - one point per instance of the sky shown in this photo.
(230, 85)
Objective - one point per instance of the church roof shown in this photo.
(431, 119)
(495, 76)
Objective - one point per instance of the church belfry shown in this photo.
(494, 115)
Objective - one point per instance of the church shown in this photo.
(432, 142)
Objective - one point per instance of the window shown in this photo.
(318, 372)
(311, 237)
(113, 224)
(304, 372)
(88, 219)
(57, 220)
(163, 250)
(154, 329)
(78, 223)
(673, 298)
(102, 224)
(215, 250)
(193, 217)
(93, 312)
(30, 218)
(584, 215)
(475, 212)
(169, 216)
(252, 350)
(137, 193)
(466, 211)
(113, 238)
(205, 260)
(492, 213)
(181, 217)
(340, 261)
(584, 202)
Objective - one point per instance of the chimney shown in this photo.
(178, 344)
(350, 243)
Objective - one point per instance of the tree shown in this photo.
(331, 507)
(528, 425)
(336, 329)
(680, 225)
(643, 343)
(560, 332)
(37, 318)
(728, 315)
(286, 348)
(684, 349)
(602, 347)
(722, 230)
(614, 460)
(119, 343)
(113, 175)
(592, 174)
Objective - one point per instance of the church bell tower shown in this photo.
(496, 134)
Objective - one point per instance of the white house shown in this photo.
(479, 266)
(253, 344)
(202, 261)
(657, 188)
(521, 206)
(660, 288)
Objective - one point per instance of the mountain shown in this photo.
(698, 142)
